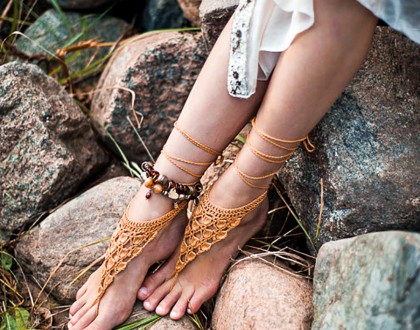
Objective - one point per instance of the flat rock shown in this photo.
(214, 15)
(367, 150)
(48, 149)
(161, 14)
(164, 323)
(191, 9)
(257, 295)
(63, 238)
(160, 69)
(368, 282)
(52, 31)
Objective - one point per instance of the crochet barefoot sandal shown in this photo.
(210, 224)
(131, 237)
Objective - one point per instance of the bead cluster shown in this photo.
(160, 184)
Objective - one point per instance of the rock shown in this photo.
(214, 15)
(164, 323)
(256, 295)
(161, 14)
(48, 149)
(52, 32)
(368, 282)
(367, 150)
(62, 239)
(82, 4)
(191, 9)
(160, 69)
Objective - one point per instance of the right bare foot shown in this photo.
(117, 303)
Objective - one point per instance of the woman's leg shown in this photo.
(210, 116)
(308, 78)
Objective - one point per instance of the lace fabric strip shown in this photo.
(128, 241)
(208, 225)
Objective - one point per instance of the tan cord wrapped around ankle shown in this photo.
(208, 225)
(127, 242)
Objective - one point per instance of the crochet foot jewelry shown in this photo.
(131, 237)
(210, 224)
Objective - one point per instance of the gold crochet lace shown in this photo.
(127, 242)
(208, 225)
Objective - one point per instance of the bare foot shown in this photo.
(200, 279)
(118, 301)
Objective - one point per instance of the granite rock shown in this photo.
(48, 149)
(51, 32)
(62, 239)
(367, 150)
(257, 295)
(161, 14)
(160, 69)
(368, 282)
(214, 15)
(191, 9)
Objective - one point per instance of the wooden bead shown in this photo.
(148, 183)
(157, 188)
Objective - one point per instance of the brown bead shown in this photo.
(148, 195)
(148, 183)
(157, 188)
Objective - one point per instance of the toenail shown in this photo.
(174, 314)
(144, 291)
(147, 304)
(69, 326)
(159, 310)
(189, 311)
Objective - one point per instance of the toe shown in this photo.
(79, 314)
(81, 291)
(77, 305)
(180, 307)
(169, 301)
(85, 320)
(157, 296)
(200, 296)
(153, 281)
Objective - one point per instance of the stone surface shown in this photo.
(82, 4)
(62, 238)
(214, 15)
(52, 32)
(160, 69)
(368, 282)
(256, 295)
(367, 150)
(161, 14)
(48, 149)
(165, 323)
(191, 9)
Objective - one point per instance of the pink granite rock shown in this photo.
(160, 69)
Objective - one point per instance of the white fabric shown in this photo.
(262, 29)
(401, 15)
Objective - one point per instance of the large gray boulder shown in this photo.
(48, 149)
(160, 69)
(368, 282)
(214, 15)
(52, 31)
(74, 236)
(367, 150)
(257, 295)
